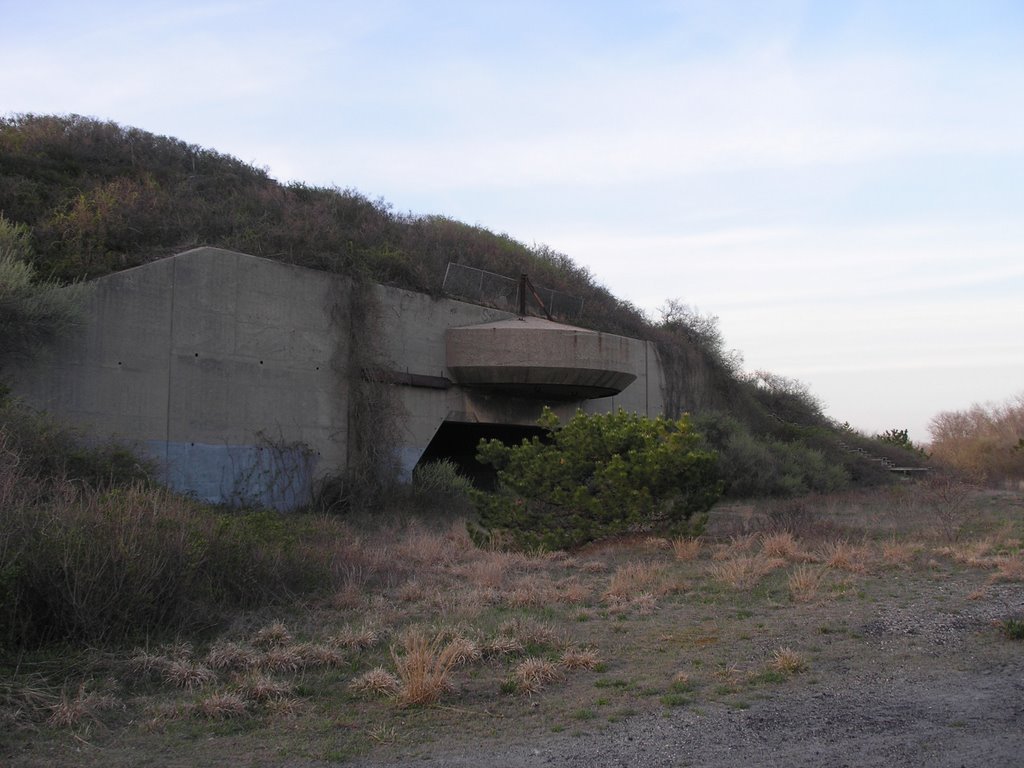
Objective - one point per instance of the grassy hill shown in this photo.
(98, 197)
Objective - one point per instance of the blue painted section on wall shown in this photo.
(268, 476)
(407, 458)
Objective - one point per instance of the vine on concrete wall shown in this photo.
(273, 473)
(688, 385)
(375, 413)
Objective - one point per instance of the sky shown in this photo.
(840, 182)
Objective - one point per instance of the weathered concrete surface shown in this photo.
(234, 372)
(415, 342)
(225, 367)
(533, 357)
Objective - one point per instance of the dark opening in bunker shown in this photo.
(457, 442)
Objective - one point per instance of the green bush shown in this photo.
(1013, 629)
(596, 476)
(754, 465)
(440, 482)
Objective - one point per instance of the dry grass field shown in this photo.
(434, 647)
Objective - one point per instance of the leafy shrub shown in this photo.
(762, 465)
(440, 478)
(597, 476)
(438, 485)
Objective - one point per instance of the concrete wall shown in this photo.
(219, 365)
(413, 342)
(233, 372)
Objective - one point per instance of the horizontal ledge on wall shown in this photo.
(405, 378)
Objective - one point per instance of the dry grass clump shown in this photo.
(148, 665)
(529, 632)
(730, 678)
(637, 577)
(159, 714)
(411, 591)
(259, 688)
(580, 658)
(899, 552)
(593, 566)
(378, 682)
(532, 591)
(425, 548)
(70, 710)
(465, 650)
(451, 604)
(273, 635)
(502, 645)
(382, 734)
(231, 656)
(283, 660)
(287, 708)
(788, 661)
(360, 638)
(738, 545)
(424, 668)
(221, 706)
(348, 597)
(971, 553)
(22, 701)
(536, 591)
(491, 568)
(644, 604)
(571, 592)
(533, 674)
(318, 655)
(687, 549)
(783, 545)
(681, 679)
(1008, 569)
(187, 675)
(843, 556)
(804, 583)
(745, 572)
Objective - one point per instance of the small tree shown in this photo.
(596, 476)
(899, 438)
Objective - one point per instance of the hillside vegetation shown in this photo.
(97, 197)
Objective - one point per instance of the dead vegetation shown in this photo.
(435, 634)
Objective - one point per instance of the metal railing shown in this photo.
(501, 292)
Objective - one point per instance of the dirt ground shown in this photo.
(834, 632)
(925, 689)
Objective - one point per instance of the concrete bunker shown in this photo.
(235, 373)
(532, 357)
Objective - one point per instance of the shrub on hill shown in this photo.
(761, 465)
